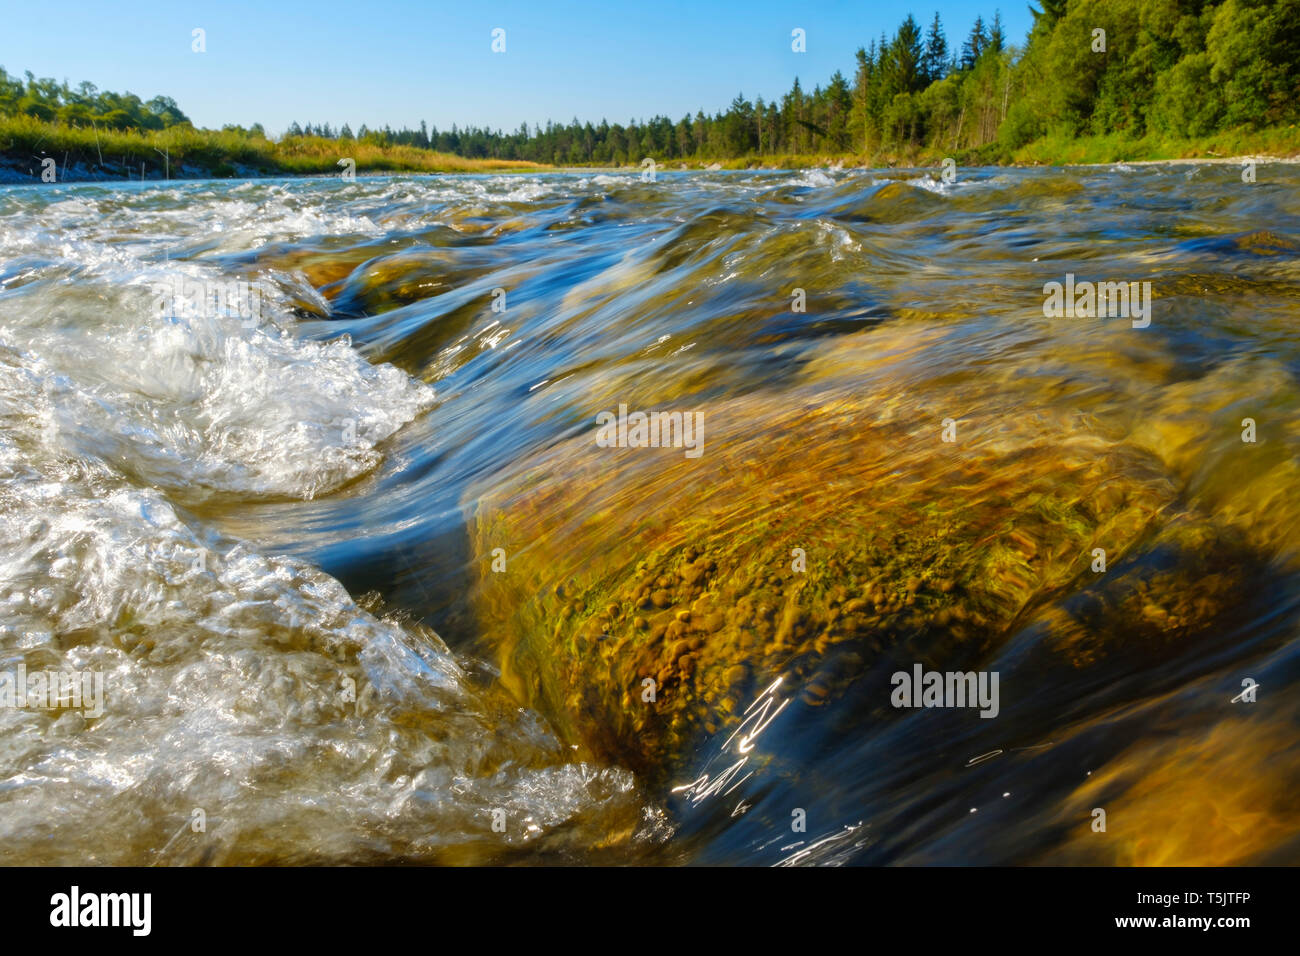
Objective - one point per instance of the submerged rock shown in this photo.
(825, 532)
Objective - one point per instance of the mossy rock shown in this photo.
(631, 564)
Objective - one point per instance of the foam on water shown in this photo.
(197, 403)
(245, 685)
(172, 483)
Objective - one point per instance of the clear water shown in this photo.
(260, 529)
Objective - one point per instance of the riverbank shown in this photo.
(82, 154)
(1274, 144)
(27, 147)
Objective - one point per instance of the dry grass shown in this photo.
(25, 140)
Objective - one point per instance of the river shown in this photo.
(306, 474)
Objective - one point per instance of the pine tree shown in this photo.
(792, 110)
(997, 38)
(1052, 11)
(907, 56)
(866, 63)
(935, 58)
(974, 46)
(839, 106)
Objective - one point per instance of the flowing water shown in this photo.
(269, 520)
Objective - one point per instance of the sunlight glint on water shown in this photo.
(266, 533)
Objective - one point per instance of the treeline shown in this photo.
(1133, 68)
(838, 118)
(86, 105)
(1171, 67)
(1177, 68)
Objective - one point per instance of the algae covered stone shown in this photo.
(826, 531)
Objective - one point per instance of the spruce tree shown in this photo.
(935, 59)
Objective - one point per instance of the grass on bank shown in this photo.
(184, 151)
(25, 141)
(1055, 149)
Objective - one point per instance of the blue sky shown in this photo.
(397, 62)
